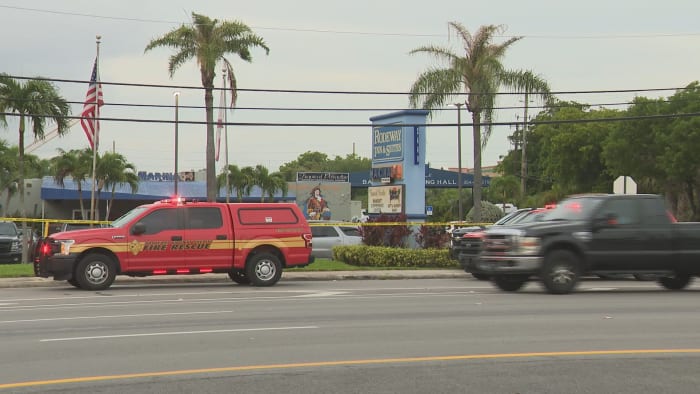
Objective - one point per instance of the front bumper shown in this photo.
(11, 257)
(493, 264)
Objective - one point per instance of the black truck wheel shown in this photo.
(509, 283)
(239, 277)
(95, 272)
(561, 272)
(73, 283)
(264, 269)
(676, 282)
(480, 276)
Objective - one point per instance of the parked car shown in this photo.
(326, 235)
(10, 243)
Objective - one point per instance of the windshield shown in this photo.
(8, 229)
(127, 217)
(509, 217)
(575, 208)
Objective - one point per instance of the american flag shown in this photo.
(93, 100)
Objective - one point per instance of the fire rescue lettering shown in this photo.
(136, 247)
(190, 245)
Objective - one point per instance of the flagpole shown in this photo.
(228, 190)
(97, 128)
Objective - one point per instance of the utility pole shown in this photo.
(523, 164)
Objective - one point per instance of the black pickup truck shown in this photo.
(596, 234)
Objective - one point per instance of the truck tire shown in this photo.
(676, 282)
(263, 269)
(95, 272)
(509, 283)
(480, 276)
(239, 277)
(561, 272)
(74, 283)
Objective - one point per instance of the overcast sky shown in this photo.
(358, 45)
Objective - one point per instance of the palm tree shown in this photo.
(34, 101)
(112, 169)
(478, 73)
(209, 40)
(240, 179)
(77, 164)
(269, 183)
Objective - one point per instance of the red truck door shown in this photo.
(208, 237)
(153, 249)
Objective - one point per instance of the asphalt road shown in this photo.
(360, 336)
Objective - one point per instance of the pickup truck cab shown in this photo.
(598, 234)
(251, 242)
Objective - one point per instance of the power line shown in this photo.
(348, 92)
(366, 33)
(369, 125)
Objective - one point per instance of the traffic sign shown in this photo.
(624, 185)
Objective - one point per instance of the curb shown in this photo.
(223, 278)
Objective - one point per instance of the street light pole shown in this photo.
(459, 160)
(177, 110)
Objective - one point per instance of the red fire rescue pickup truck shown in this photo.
(252, 242)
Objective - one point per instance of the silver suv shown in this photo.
(327, 234)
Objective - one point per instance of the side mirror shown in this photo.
(609, 220)
(138, 228)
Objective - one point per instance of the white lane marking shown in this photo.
(152, 334)
(322, 294)
(113, 316)
(8, 303)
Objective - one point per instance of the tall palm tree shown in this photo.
(36, 102)
(77, 164)
(112, 170)
(209, 40)
(478, 73)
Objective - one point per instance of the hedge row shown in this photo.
(381, 256)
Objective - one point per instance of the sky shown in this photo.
(357, 46)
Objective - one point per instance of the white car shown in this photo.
(326, 235)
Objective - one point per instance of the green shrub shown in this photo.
(381, 256)
(489, 213)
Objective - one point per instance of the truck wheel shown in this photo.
(74, 283)
(561, 272)
(480, 276)
(239, 277)
(677, 282)
(509, 282)
(95, 272)
(264, 269)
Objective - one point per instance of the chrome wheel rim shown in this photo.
(265, 270)
(96, 273)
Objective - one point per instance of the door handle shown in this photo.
(220, 236)
(176, 238)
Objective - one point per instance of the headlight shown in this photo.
(15, 246)
(528, 245)
(65, 246)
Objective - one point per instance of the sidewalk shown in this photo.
(216, 278)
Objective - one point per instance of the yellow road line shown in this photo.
(345, 363)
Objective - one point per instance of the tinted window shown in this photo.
(8, 229)
(351, 231)
(161, 220)
(655, 211)
(576, 208)
(623, 210)
(323, 231)
(204, 217)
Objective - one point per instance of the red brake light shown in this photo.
(307, 239)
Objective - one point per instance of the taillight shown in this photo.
(307, 239)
